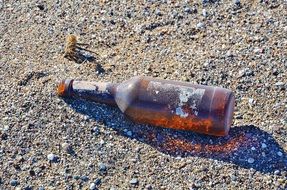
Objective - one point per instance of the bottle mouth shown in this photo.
(64, 88)
(229, 112)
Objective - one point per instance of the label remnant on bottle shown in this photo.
(90, 86)
(180, 112)
(191, 97)
(185, 100)
(98, 91)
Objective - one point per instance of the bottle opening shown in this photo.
(61, 88)
(229, 113)
(64, 88)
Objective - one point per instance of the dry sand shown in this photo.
(50, 143)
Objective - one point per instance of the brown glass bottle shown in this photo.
(166, 103)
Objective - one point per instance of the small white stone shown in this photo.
(6, 128)
(279, 153)
(200, 25)
(92, 186)
(250, 160)
(67, 147)
(204, 12)
(157, 12)
(129, 133)
(276, 172)
(279, 83)
(51, 157)
(258, 50)
(229, 53)
(134, 181)
(251, 101)
(263, 145)
(241, 73)
(206, 64)
(253, 148)
(102, 142)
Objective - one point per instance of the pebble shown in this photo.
(102, 167)
(76, 177)
(229, 54)
(279, 84)
(207, 63)
(148, 187)
(245, 72)
(253, 148)
(67, 148)
(205, 1)
(276, 172)
(6, 128)
(146, 13)
(134, 181)
(102, 142)
(275, 72)
(157, 12)
(52, 157)
(204, 13)
(174, 14)
(250, 160)
(14, 182)
(41, 188)
(200, 25)
(84, 178)
(133, 160)
(96, 131)
(237, 2)
(187, 10)
(279, 153)
(263, 145)
(233, 178)
(281, 181)
(98, 181)
(129, 133)
(28, 188)
(251, 101)
(41, 7)
(197, 184)
(258, 50)
(93, 186)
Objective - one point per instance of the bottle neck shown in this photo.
(100, 92)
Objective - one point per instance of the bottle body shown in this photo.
(174, 104)
(177, 105)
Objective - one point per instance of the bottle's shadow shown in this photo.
(245, 146)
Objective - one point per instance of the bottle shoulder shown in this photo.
(127, 91)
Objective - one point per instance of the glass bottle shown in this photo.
(166, 103)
